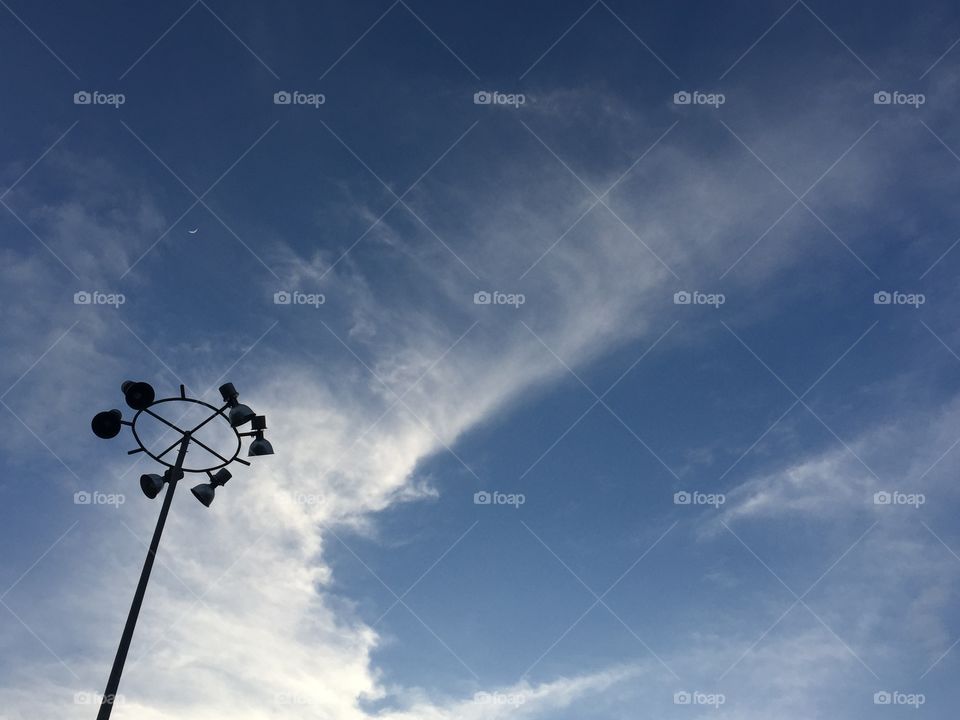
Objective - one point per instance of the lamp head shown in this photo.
(151, 484)
(260, 446)
(204, 493)
(139, 395)
(240, 414)
(107, 424)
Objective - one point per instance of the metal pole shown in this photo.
(113, 682)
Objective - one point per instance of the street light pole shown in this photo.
(113, 682)
(140, 396)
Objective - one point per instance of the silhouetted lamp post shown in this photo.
(140, 397)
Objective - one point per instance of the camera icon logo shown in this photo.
(682, 98)
(482, 498)
(681, 297)
(682, 698)
(882, 498)
(882, 698)
(482, 98)
(682, 498)
(282, 98)
(82, 497)
(882, 298)
(882, 98)
(282, 297)
(482, 298)
(82, 98)
(82, 297)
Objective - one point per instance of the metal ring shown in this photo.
(215, 411)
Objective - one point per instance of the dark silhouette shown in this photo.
(141, 397)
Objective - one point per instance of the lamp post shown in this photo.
(140, 396)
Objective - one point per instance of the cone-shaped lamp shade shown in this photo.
(107, 424)
(139, 395)
(204, 493)
(151, 485)
(260, 446)
(240, 414)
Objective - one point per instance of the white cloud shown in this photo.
(833, 483)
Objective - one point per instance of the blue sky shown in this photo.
(805, 400)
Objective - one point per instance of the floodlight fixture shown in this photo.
(151, 484)
(204, 492)
(107, 424)
(239, 414)
(139, 395)
(260, 445)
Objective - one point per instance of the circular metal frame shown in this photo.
(215, 412)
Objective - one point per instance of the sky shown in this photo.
(608, 351)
